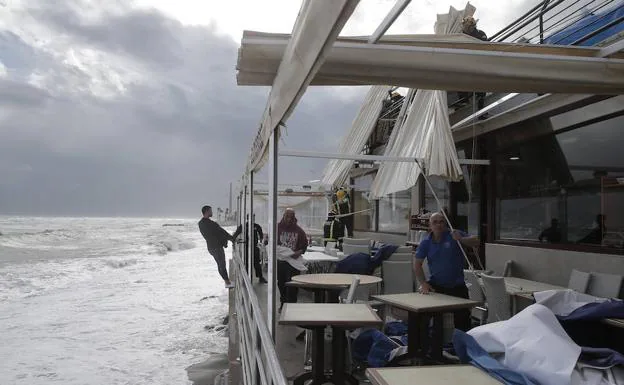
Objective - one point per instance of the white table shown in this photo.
(430, 375)
(341, 317)
(315, 256)
(519, 286)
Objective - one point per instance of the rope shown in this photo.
(435, 196)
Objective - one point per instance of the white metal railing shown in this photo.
(259, 362)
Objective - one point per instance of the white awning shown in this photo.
(317, 26)
(425, 132)
(449, 63)
(337, 170)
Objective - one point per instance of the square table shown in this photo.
(430, 375)
(420, 308)
(524, 288)
(340, 317)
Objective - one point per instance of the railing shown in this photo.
(259, 362)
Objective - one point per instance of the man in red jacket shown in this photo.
(290, 235)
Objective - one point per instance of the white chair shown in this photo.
(352, 249)
(579, 281)
(404, 249)
(508, 267)
(498, 300)
(475, 293)
(605, 285)
(398, 277)
(356, 241)
(404, 257)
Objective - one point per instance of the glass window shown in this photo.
(394, 212)
(467, 194)
(564, 187)
(440, 186)
(364, 220)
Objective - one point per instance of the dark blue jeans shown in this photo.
(219, 256)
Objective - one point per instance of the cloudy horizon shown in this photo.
(131, 108)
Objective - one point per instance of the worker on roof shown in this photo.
(469, 27)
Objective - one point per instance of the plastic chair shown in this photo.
(508, 267)
(352, 249)
(605, 285)
(356, 241)
(475, 293)
(579, 281)
(398, 277)
(498, 300)
(401, 257)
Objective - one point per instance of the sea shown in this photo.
(106, 301)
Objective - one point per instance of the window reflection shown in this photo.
(570, 177)
(394, 211)
(364, 219)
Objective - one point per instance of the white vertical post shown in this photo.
(244, 232)
(272, 230)
(252, 242)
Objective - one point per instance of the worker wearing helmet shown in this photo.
(469, 27)
(342, 208)
(333, 230)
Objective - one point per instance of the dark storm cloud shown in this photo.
(152, 124)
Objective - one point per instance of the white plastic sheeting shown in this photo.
(533, 343)
(425, 133)
(316, 28)
(311, 211)
(337, 170)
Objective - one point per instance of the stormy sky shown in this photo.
(131, 108)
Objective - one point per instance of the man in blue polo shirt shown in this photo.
(446, 264)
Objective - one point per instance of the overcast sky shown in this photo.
(131, 108)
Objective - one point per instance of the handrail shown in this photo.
(260, 365)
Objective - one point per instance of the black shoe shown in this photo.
(262, 280)
(484, 116)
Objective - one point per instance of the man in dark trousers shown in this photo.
(257, 236)
(333, 230)
(446, 264)
(216, 239)
(342, 207)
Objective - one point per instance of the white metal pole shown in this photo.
(448, 221)
(244, 232)
(368, 158)
(272, 231)
(252, 240)
(387, 22)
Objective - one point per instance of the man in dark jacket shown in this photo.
(290, 235)
(342, 207)
(333, 230)
(216, 239)
(257, 236)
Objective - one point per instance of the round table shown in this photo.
(330, 284)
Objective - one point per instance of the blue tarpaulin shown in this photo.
(589, 24)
